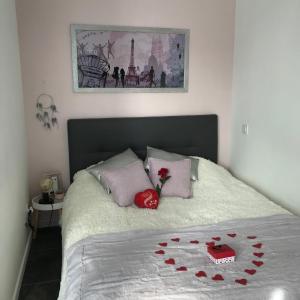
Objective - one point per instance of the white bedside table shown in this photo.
(57, 205)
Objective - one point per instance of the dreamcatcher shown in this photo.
(46, 111)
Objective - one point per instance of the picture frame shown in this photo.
(57, 185)
(129, 59)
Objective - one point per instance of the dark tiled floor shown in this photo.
(42, 275)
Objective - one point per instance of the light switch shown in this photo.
(245, 129)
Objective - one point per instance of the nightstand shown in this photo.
(37, 207)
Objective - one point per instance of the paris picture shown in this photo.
(129, 59)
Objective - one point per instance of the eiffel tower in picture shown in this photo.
(131, 76)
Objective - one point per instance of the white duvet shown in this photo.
(217, 196)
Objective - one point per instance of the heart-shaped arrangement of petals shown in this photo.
(201, 274)
(147, 199)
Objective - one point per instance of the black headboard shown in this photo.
(93, 140)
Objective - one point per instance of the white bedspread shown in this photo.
(217, 196)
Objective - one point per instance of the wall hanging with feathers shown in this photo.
(46, 111)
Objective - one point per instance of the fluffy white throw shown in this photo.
(217, 196)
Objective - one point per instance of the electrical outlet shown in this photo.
(245, 129)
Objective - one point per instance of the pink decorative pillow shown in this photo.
(179, 185)
(125, 182)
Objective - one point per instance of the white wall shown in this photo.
(45, 44)
(13, 172)
(266, 93)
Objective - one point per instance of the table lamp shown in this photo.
(46, 187)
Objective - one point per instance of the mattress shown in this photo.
(217, 197)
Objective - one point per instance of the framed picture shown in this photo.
(57, 185)
(129, 59)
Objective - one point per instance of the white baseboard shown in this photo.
(22, 267)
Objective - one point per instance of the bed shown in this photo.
(112, 252)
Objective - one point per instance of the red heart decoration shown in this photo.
(183, 268)
(160, 252)
(163, 244)
(194, 242)
(217, 277)
(251, 237)
(201, 274)
(170, 261)
(242, 281)
(210, 244)
(147, 199)
(259, 254)
(175, 239)
(231, 234)
(216, 238)
(250, 271)
(259, 245)
(257, 263)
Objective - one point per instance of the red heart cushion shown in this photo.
(147, 199)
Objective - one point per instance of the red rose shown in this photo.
(163, 172)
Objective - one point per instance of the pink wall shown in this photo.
(44, 29)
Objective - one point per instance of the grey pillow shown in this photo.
(126, 182)
(179, 185)
(164, 155)
(95, 170)
(118, 161)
